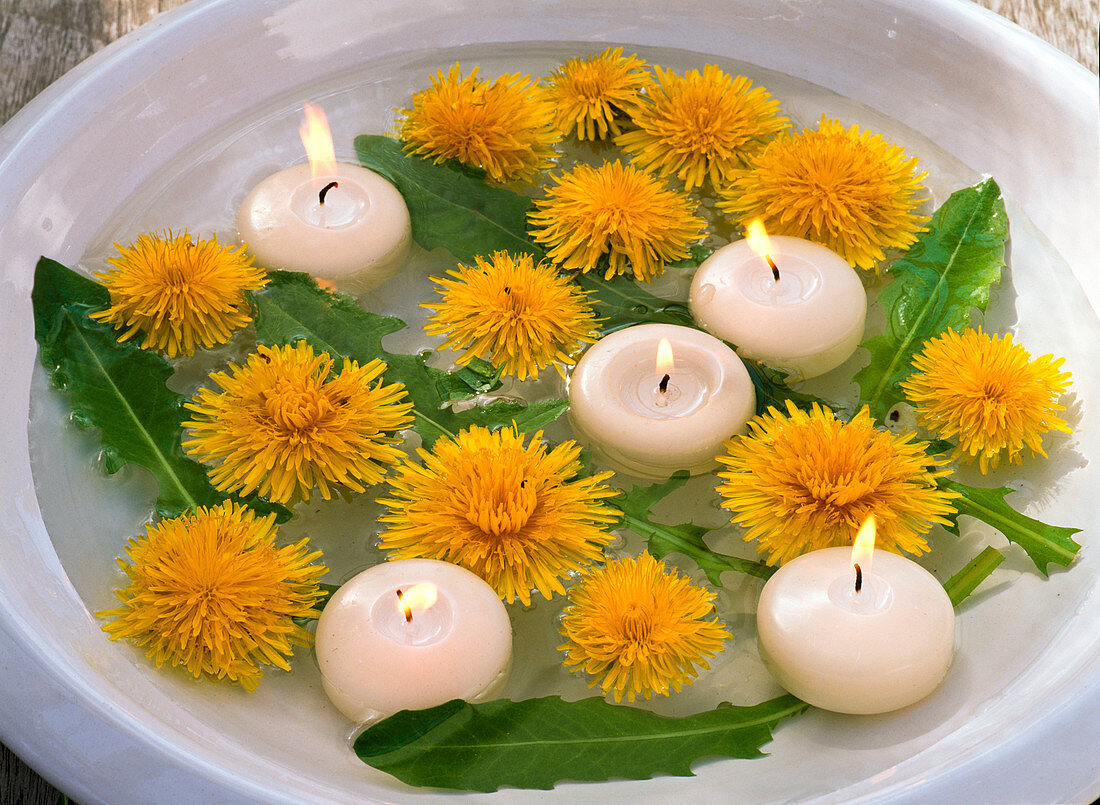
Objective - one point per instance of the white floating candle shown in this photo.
(873, 648)
(412, 634)
(650, 420)
(786, 302)
(336, 221)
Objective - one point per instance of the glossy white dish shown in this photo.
(105, 726)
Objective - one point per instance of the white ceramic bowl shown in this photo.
(102, 724)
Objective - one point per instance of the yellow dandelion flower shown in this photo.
(590, 93)
(522, 316)
(210, 591)
(988, 394)
(179, 294)
(701, 125)
(618, 211)
(519, 516)
(804, 481)
(848, 190)
(285, 423)
(504, 126)
(639, 629)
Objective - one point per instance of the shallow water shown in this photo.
(91, 515)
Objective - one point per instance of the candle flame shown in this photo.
(665, 359)
(863, 548)
(757, 237)
(416, 599)
(317, 140)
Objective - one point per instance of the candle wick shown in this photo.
(859, 577)
(408, 609)
(663, 385)
(325, 189)
(774, 267)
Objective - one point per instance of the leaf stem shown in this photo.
(705, 557)
(432, 422)
(963, 583)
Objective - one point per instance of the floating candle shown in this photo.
(412, 634)
(856, 631)
(338, 222)
(651, 418)
(789, 303)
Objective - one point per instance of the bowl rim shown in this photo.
(33, 680)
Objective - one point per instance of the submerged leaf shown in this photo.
(937, 283)
(621, 302)
(449, 207)
(1043, 543)
(292, 307)
(773, 392)
(539, 742)
(118, 388)
(477, 377)
(686, 538)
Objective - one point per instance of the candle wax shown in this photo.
(357, 239)
(617, 406)
(377, 657)
(806, 323)
(877, 650)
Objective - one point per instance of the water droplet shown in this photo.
(47, 224)
(639, 309)
(706, 293)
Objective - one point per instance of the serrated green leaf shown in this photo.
(620, 302)
(937, 283)
(539, 742)
(477, 377)
(772, 391)
(1043, 543)
(57, 286)
(292, 307)
(118, 388)
(526, 416)
(686, 538)
(448, 207)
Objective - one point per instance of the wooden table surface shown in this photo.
(41, 39)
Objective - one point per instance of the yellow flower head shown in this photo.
(588, 93)
(848, 190)
(618, 211)
(986, 393)
(701, 125)
(211, 592)
(178, 293)
(521, 316)
(517, 515)
(284, 423)
(804, 481)
(639, 629)
(504, 126)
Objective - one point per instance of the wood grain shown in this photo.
(1069, 25)
(41, 39)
